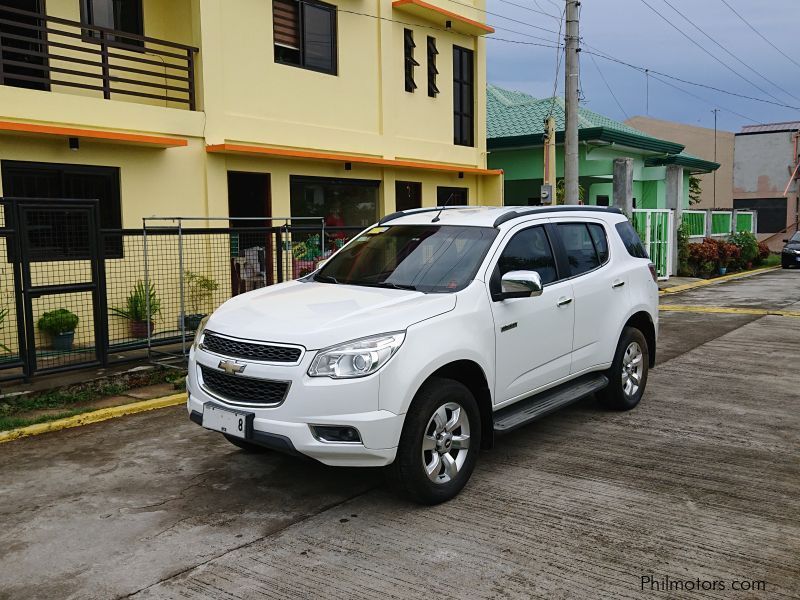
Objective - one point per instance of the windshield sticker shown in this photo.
(377, 230)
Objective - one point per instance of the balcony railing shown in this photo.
(40, 51)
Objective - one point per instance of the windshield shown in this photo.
(427, 258)
(795, 237)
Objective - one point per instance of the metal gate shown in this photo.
(656, 227)
(54, 253)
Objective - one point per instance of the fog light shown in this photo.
(333, 433)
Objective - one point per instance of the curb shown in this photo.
(93, 417)
(723, 279)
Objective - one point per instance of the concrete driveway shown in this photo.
(699, 484)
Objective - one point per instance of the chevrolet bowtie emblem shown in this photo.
(231, 367)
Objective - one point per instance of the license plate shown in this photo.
(233, 422)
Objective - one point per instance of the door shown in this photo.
(250, 206)
(62, 283)
(600, 290)
(23, 62)
(533, 336)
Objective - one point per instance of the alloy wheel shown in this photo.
(632, 369)
(445, 443)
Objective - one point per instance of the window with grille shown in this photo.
(408, 57)
(304, 34)
(463, 96)
(432, 70)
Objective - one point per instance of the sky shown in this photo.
(631, 32)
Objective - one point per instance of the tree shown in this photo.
(560, 191)
(695, 190)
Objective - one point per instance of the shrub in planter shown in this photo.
(200, 290)
(135, 309)
(683, 250)
(704, 258)
(763, 253)
(748, 248)
(728, 255)
(60, 325)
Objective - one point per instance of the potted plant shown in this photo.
(200, 291)
(60, 325)
(135, 309)
(3, 315)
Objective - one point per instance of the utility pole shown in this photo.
(571, 195)
(715, 111)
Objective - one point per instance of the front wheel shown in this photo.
(628, 373)
(439, 444)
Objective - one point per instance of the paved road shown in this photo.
(700, 481)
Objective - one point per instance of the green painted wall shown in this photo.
(523, 173)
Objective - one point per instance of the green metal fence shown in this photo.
(744, 222)
(655, 227)
(695, 222)
(721, 223)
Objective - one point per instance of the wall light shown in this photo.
(74, 144)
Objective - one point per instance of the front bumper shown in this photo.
(790, 259)
(309, 401)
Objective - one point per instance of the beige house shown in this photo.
(699, 141)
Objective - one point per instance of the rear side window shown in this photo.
(578, 245)
(631, 240)
(529, 250)
(600, 242)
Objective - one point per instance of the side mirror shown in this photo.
(321, 263)
(786, 240)
(520, 284)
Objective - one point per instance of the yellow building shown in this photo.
(289, 90)
(344, 110)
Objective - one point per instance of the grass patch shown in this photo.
(71, 398)
(7, 423)
(773, 260)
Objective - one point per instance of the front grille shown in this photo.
(245, 390)
(249, 350)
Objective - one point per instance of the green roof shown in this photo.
(516, 119)
(693, 164)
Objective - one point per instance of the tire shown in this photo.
(443, 421)
(245, 445)
(631, 363)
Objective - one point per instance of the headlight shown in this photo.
(198, 334)
(357, 358)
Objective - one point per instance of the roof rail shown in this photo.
(544, 209)
(416, 211)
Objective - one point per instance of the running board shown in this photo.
(533, 408)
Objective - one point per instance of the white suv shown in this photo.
(429, 334)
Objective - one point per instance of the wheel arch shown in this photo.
(644, 322)
(470, 374)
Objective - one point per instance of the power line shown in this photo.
(688, 93)
(558, 65)
(704, 49)
(528, 8)
(610, 91)
(759, 34)
(494, 14)
(602, 54)
(724, 49)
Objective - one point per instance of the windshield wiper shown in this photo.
(395, 286)
(325, 278)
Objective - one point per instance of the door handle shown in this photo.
(618, 283)
(563, 301)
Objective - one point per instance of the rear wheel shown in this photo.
(439, 444)
(628, 373)
(244, 444)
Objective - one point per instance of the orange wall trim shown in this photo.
(445, 13)
(365, 160)
(92, 134)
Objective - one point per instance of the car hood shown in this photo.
(792, 246)
(317, 315)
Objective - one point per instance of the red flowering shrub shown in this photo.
(704, 258)
(763, 253)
